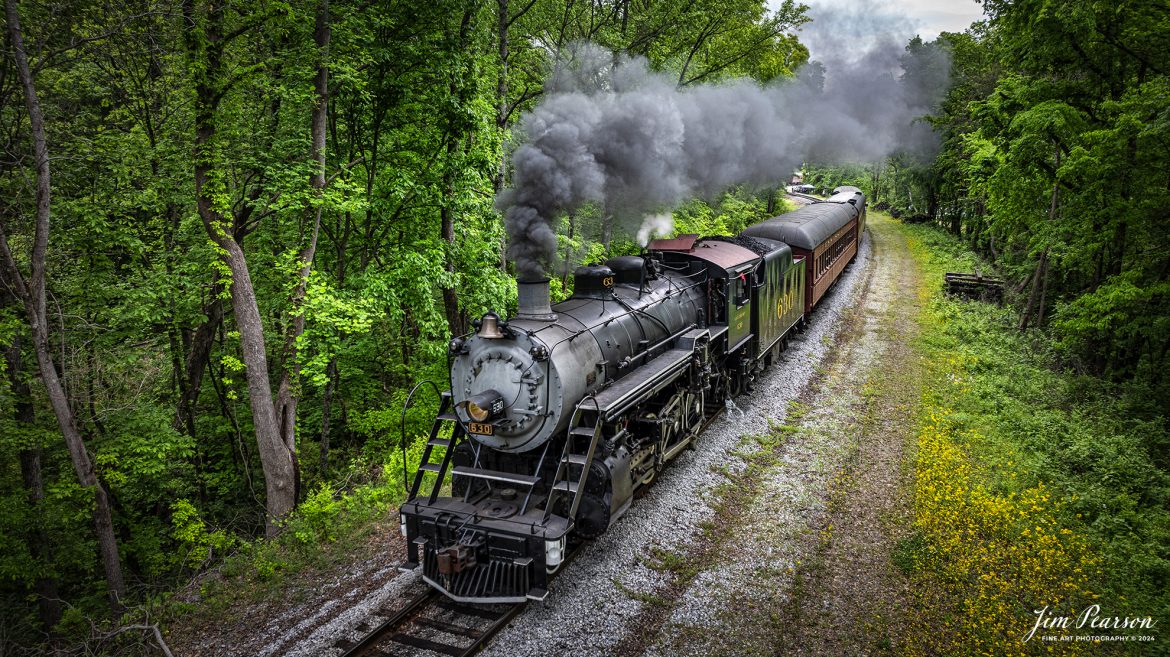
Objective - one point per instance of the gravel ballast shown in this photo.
(592, 604)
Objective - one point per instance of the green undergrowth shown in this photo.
(1034, 487)
(333, 527)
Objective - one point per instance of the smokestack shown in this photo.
(534, 300)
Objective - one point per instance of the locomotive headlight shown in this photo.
(485, 406)
(477, 413)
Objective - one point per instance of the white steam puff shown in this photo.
(655, 225)
(610, 130)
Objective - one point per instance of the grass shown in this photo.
(1032, 486)
(909, 552)
(641, 596)
(680, 565)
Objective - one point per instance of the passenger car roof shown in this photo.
(807, 227)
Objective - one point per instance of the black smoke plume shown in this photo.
(611, 131)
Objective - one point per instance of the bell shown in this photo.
(489, 327)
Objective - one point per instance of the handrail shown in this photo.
(402, 425)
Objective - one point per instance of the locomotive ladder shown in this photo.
(579, 431)
(445, 415)
(426, 464)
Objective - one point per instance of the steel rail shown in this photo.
(413, 628)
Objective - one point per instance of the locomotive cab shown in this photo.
(728, 269)
(777, 287)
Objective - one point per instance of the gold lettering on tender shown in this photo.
(785, 303)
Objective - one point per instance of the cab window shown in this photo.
(739, 290)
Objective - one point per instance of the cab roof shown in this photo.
(719, 253)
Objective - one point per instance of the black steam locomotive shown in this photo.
(560, 414)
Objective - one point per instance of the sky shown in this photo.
(882, 19)
(934, 16)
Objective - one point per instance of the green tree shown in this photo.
(31, 290)
(1054, 161)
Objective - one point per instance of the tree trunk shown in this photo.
(568, 258)
(1043, 295)
(1040, 280)
(1116, 264)
(932, 203)
(501, 178)
(606, 230)
(1035, 279)
(275, 457)
(33, 294)
(198, 356)
(189, 374)
(502, 94)
(48, 595)
(288, 393)
(326, 410)
(450, 294)
(1119, 236)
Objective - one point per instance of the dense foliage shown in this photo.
(1032, 487)
(1056, 147)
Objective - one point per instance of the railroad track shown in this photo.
(432, 623)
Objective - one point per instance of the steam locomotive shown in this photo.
(559, 415)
